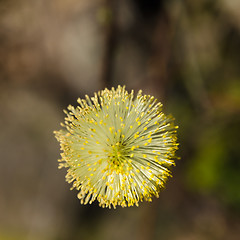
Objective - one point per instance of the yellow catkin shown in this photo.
(117, 148)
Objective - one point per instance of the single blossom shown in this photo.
(117, 148)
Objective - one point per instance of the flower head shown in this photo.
(117, 148)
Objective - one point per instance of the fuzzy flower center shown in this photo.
(116, 154)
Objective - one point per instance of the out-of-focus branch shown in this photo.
(108, 18)
(194, 79)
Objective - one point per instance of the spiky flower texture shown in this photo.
(117, 148)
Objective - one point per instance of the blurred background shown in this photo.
(186, 53)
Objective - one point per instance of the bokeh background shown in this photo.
(184, 52)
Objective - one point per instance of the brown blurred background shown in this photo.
(186, 53)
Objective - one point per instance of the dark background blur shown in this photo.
(186, 53)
